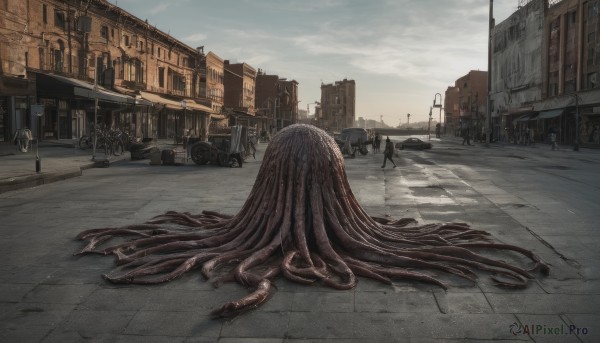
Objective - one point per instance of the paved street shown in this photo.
(543, 200)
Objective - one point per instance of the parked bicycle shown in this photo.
(110, 141)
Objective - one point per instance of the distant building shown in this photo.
(471, 91)
(338, 105)
(212, 88)
(452, 110)
(240, 84)
(276, 100)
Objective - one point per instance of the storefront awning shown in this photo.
(526, 117)
(159, 100)
(50, 85)
(139, 101)
(550, 114)
(243, 114)
(190, 104)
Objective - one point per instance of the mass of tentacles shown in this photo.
(301, 221)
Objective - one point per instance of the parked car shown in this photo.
(413, 143)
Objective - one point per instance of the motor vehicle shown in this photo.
(413, 143)
(358, 139)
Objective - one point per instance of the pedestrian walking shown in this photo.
(466, 136)
(388, 153)
(532, 137)
(553, 140)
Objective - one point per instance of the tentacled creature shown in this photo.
(301, 221)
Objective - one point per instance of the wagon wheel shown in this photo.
(200, 153)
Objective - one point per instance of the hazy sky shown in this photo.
(399, 52)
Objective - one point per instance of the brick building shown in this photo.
(68, 54)
(240, 92)
(452, 110)
(465, 103)
(338, 105)
(212, 87)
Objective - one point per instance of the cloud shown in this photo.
(161, 7)
(195, 38)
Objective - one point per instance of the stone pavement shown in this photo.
(59, 160)
(47, 295)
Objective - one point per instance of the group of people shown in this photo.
(376, 143)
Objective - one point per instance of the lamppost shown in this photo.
(429, 126)
(95, 115)
(488, 117)
(38, 112)
(576, 144)
(408, 121)
(184, 105)
(440, 107)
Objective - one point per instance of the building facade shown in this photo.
(338, 102)
(212, 88)
(92, 62)
(240, 93)
(276, 101)
(517, 73)
(471, 93)
(545, 72)
(452, 111)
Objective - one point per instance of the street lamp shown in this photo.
(408, 121)
(184, 105)
(440, 107)
(488, 116)
(429, 126)
(38, 112)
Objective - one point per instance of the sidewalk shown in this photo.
(59, 160)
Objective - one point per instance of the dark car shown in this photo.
(413, 143)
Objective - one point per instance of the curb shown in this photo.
(33, 180)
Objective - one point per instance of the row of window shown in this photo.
(108, 34)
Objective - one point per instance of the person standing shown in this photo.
(376, 143)
(388, 153)
(553, 139)
(466, 136)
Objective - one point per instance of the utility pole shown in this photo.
(488, 117)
